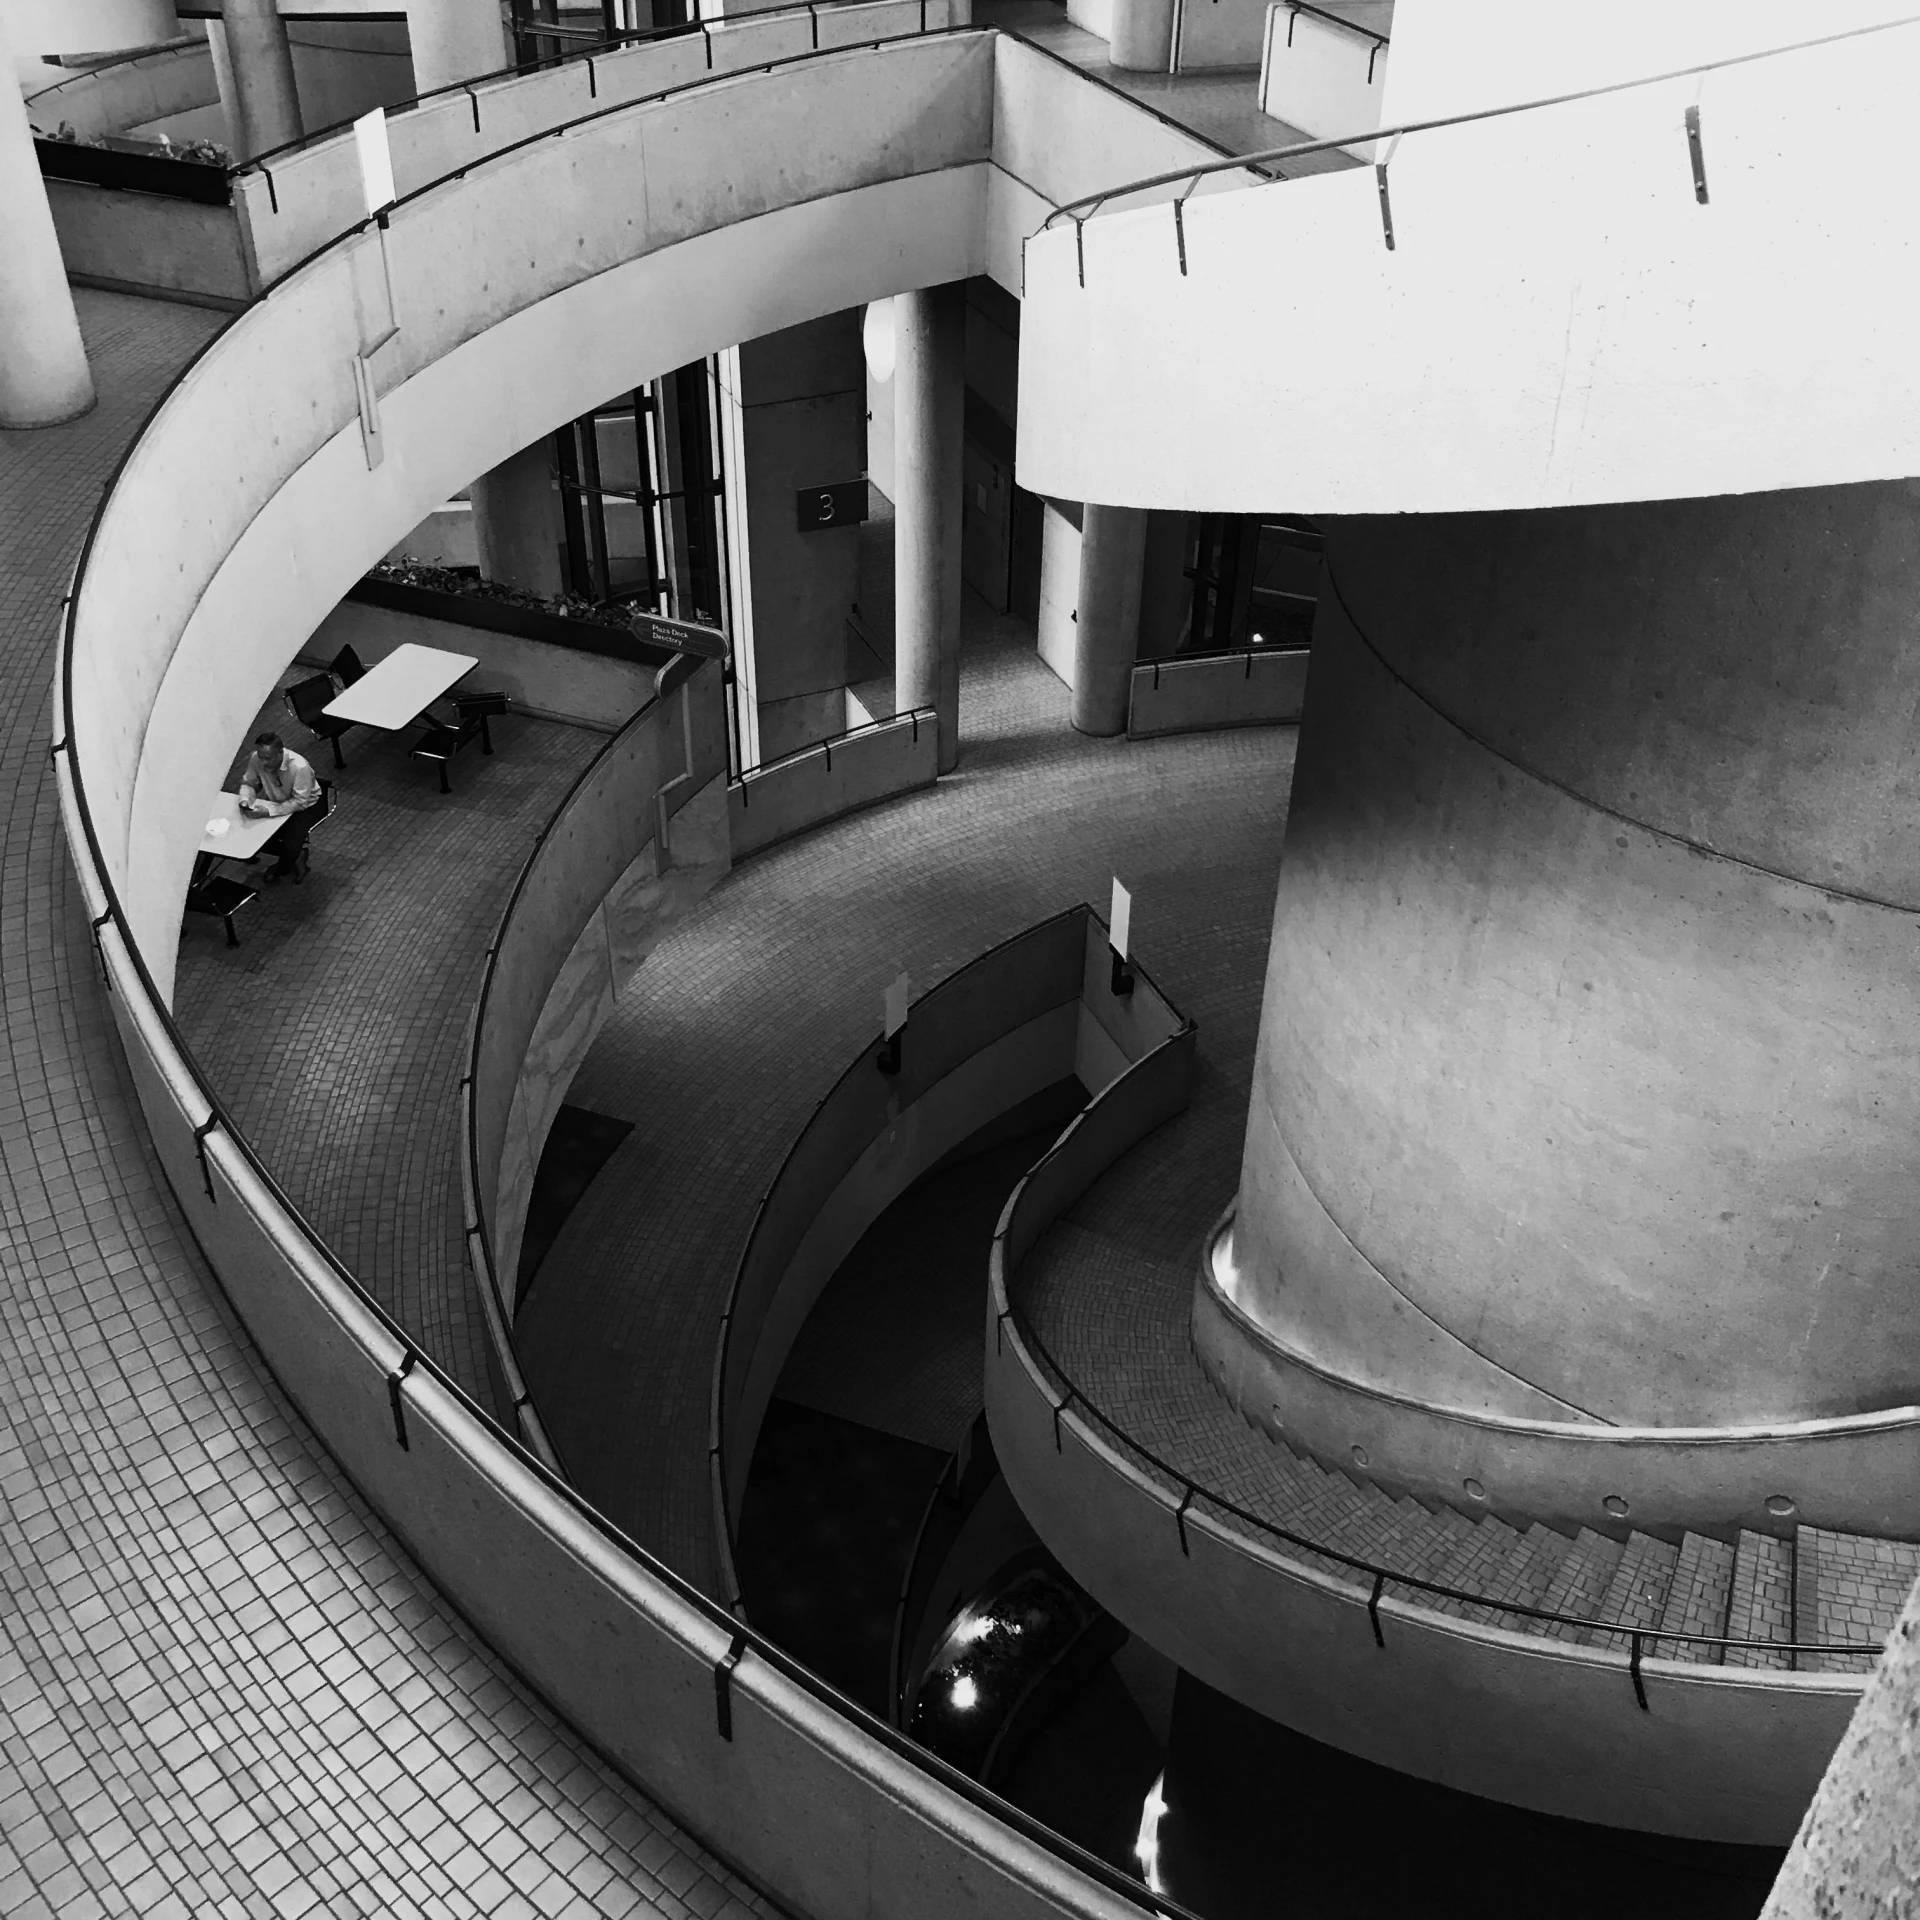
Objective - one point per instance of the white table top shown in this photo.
(234, 835)
(401, 687)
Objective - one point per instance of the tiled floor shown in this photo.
(743, 1018)
(335, 1031)
(224, 1689)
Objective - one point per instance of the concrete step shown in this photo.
(1697, 1598)
(1476, 1564)
(1637, 1593)
(1761, 1604)
(1848, 1587)
(1580, 1581)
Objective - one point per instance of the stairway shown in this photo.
(1818, 1586)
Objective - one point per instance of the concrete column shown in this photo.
(929, 386)
(455, 40)
(1113, 545)
(43, 365)
(1142, 36)
(264, 111)
(1589, 1064)
(516, 522)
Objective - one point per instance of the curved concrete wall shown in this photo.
(1034, 1011)
(129, 93)
(597, 893)
(1559, 319)
(1721, 1753)
(773, 802)
(1854, 1476)
(1554, 1116)
(522, 284)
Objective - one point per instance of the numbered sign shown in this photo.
(843, 504)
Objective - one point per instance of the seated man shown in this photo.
(277, 780)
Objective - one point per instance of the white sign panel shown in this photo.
(896, 1007)
(1120, 919)
(376, 160)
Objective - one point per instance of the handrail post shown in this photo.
(1639, 1685)
(1373, 1606)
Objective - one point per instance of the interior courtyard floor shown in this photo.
(225, 1689)
(747, 1012)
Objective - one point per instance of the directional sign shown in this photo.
(842, 504)
(680, 636)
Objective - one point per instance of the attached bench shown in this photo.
(440, 742)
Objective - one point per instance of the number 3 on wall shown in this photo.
(842, 504)
(825, 509)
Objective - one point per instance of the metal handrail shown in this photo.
(1271, 156)
(1379, 1575)
(832, 740)
(1334, 20)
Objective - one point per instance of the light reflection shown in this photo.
(1146, 1847)
(965, 1693)
(1226, 1271)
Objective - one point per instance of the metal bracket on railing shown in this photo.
(1080, 247)
(399, 1406)
(473, 100)
(1639, 1685)
(723, 1684)
(1180, 1519)
(999, 1322)
(200, 1133)
(1373, 1609)
(58, 747)
(706, 34)
(273, 192)
(99, 951)
(1060, 1407)
(813, 23)
(1371, 58)
(1180, 232)
(1696, 155)
(593, 80)
(1380, 178)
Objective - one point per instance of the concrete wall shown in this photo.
(1323, 77)
(554, 682)
(129, 93)
(770, 804)
(1218, 33)
(1559, 321)
(1721, 1753)
(1246, 690)
(142, 242)
(88, 26)
(597, 893)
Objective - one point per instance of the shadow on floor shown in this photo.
(578, 1145)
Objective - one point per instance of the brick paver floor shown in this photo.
(743, 1018)
(224, 1688)
(335, 1033)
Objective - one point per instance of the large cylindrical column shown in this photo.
(1589, 1066)
(516, 522)
(455, 40)
(43, 365)
(264, 111)
(1106, 634)
(929, 388)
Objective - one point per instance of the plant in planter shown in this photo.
(406, 571)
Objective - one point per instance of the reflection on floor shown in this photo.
(579, 1144)
(1260, 1821)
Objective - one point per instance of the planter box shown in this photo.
(135, 172)
(523, 623)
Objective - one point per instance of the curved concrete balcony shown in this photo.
(1535, 308)
(306, 438)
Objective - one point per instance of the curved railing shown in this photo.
(296, 198)
(618, 807)
(1361, 137)
(795, 791)
(708, 1717)
(1030, 994)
